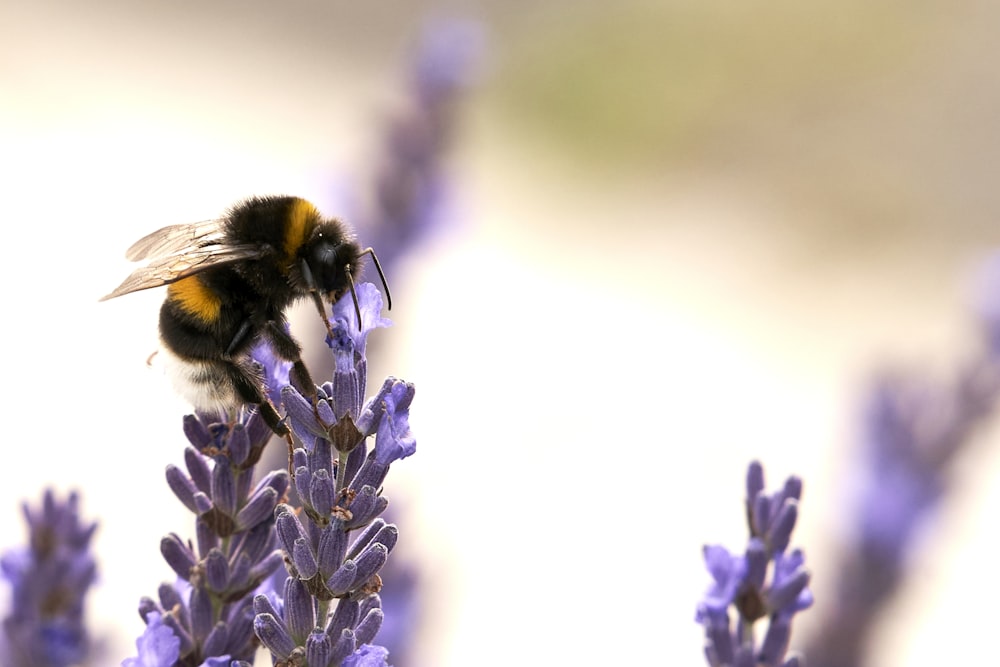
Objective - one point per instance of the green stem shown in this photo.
(341, 471)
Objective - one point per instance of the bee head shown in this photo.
(330, 267)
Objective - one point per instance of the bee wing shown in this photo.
(171, 268)
(174, 239)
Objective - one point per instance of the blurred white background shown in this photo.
(681, 236)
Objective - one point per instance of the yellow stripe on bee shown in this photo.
(196, 298)
(301, 220)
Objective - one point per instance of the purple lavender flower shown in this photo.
(741, 582)
(209, 611)
(337, 475)
(368, 656)
(337, 479)
(157, 646)
(49, 580)
(274, 369)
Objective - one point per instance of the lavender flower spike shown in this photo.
(741, 582)
(49, 580)
(334, 580)
(913, 431)
(207, 618)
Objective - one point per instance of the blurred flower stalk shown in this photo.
(49, 581)
(408, 192)
(912, 431)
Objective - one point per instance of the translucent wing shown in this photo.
(175, 239)
(187, 262)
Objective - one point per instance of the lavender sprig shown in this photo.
(338, 478)
(206, 618)
(741, 582)
(912, 431)
(49, 581)
(408, 182)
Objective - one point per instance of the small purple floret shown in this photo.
(157, 646)
(741, 584)
(367, 656)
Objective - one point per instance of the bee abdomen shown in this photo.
(205, 384)
(197, 358)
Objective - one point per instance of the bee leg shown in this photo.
(249, 388)
(239, 338)
(285, 347)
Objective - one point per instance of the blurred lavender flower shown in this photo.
(49, 580)
(408, 182)
(741, 582)
(338, 479)
(206, 618)
(912, 431)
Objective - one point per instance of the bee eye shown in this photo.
(327, 263)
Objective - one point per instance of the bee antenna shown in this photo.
(378, 267)
(354, 295)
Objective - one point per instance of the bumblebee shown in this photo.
(229, 282)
